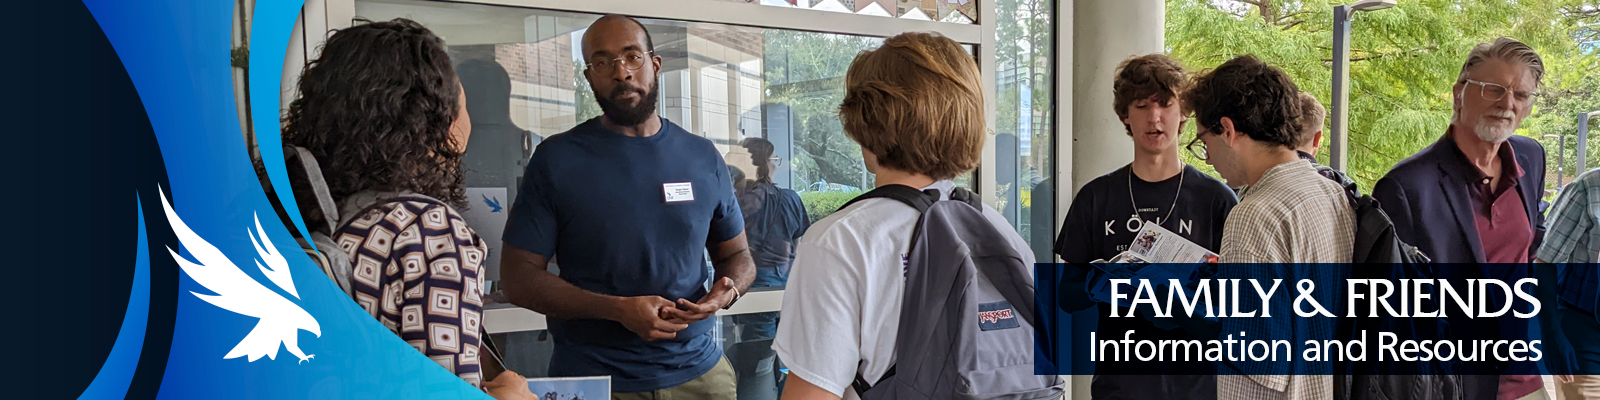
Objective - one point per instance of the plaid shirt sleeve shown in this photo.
(1569, 221)
(1571, 238)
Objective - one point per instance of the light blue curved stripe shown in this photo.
(117, 373)
(269, 40)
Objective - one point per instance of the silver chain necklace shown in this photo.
(1175, 194)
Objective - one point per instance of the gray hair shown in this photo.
(1508, 50)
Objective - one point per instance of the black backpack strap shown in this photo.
(861, 386)
(910, 196)
(920, 200)
(967, 196)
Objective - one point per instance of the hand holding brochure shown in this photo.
(1155, 254)
(1158, 245)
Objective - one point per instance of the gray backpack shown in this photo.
(307, 176)
(967, 318)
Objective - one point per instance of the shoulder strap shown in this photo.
(922, 201)
(919, 200)
(379, 202)
(861, 386)
(966, 196)
(319, 186)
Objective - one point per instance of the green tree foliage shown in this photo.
(1403, 62)
(586, 106)
(822, 204)
(805, 71)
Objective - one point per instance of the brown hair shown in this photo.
(917, 104)
(1508, 50)
(1140, 77)
(1259, 98)
(1312, 115)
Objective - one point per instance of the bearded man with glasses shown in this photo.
(1473, 198)
(629, 204)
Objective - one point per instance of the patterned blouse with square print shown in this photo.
(417, 269)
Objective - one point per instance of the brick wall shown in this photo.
(742, 39)
(546, 63)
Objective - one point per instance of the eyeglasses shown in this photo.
(1197, 148)
(1496, 92)
(631, 60)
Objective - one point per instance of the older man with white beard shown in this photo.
(1473, 198)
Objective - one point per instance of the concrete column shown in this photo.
(1105, 33)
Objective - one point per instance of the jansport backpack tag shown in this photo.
(967, 318)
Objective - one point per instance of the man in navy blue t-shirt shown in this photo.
(629, 204)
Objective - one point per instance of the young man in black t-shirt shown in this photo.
(1108, 211)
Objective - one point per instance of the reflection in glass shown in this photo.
(953, 11)
(522, 70)
(774, 217)
(760, 372)
(523, 73)
(1025, 119)
(499, 147)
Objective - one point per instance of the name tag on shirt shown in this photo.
(678, 192)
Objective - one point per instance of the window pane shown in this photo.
(804, 86)
(953, 11)
(523, 73)
(747, 343)
(1024, 84)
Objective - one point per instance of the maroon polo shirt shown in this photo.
(1499, 213)
(1506, 235)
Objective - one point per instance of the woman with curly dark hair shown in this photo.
(384, 115)
(774, 220)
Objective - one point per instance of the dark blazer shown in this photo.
(1427, 197)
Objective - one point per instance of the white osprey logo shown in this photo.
(281, 320)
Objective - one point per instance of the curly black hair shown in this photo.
(375, 109)
(1262, 101)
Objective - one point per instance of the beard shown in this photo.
(628, 116)
(1494, 132)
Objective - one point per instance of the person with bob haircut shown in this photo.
(916, 107)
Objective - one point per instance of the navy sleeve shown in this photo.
(531, 225)
(1076, 242)
(727, 222)
(1075, 246)
(800, 213)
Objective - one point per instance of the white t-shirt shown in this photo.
(841, 309)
